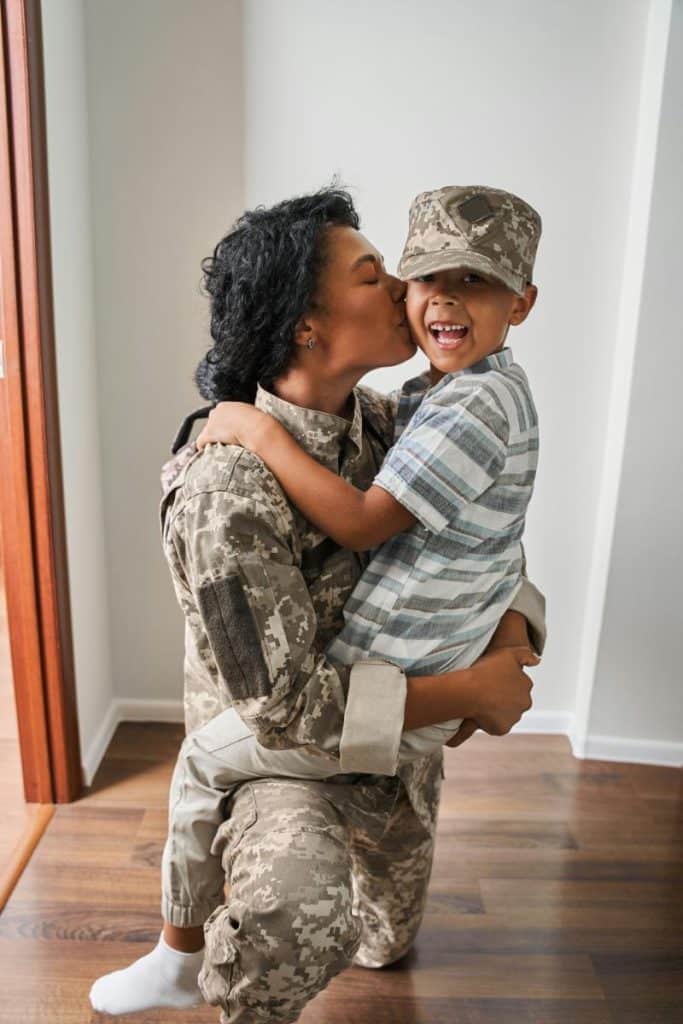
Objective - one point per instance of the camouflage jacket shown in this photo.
(263, 591)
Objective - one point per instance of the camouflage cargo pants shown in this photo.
(321, 875)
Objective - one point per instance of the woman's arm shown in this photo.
(355, 519)
(512, 631)
(494, 692)
(235, 571)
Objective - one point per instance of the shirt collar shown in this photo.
(321, 434)
(497, 360)
(422, 383)
(416, 385)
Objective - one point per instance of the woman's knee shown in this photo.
(390, 925)
(386, 951)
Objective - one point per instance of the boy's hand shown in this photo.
(234, 423)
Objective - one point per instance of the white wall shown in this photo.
(637, 692)
(75, 339)
(145, 144)
(165, 96)
(190, 119)
(535, 97)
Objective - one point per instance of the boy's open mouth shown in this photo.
(447, 335)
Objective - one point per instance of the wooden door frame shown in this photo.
(31, 492)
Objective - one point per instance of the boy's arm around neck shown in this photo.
(355, 519)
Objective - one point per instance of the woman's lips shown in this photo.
(448, 336)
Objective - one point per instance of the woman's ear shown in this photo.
(305, 332)
(523, 305)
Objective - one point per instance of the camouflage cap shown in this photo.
(473, 227)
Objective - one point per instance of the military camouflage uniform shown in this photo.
(321, 874)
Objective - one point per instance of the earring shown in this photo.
(310, 343)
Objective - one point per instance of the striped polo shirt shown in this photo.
(463, 462)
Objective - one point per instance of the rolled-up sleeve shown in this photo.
(530, 602)
(375, 709)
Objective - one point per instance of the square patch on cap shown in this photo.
(475, 209)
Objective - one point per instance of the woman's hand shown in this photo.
(511, 632)
(503, 690)
(234, 423)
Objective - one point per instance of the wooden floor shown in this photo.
(20, 823)
(11, 789)
(14, 810)
(555, 898)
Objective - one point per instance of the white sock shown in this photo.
(164, 977)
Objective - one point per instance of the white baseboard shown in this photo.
(131, 710)
(125, 710)
(98, 746)
(545, 721)
(601, 748)
(633, 751)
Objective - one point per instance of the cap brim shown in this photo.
(455, 259)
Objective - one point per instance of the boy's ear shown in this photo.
(523, 305)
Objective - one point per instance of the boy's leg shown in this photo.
(288, 927)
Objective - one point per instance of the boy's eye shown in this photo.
(424, 278)
(472, 278)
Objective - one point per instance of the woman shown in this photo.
(321, 874)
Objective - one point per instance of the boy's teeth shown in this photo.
(448, 335)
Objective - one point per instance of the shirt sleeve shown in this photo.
(260, 623)
(452, 450)
(530, 602)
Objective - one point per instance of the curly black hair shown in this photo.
(262, 279)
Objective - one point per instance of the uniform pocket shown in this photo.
(229, 833)
(223, 731)
(218, 936)
(215, 977)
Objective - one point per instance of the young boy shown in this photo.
(449, 504)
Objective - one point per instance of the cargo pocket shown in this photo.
(223, 924)
(230, 832)
(215, 977)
